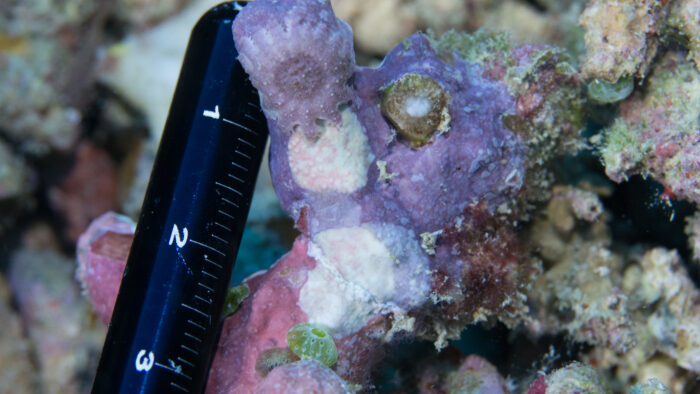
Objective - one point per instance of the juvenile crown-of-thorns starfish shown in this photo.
(405, 180)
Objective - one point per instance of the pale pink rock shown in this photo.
(477, 376)
(102, 253)
(302, 377)
(261, 323)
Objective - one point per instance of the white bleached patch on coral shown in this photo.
(330, 300)
(417, 107)
(360, 258)
(358, 275)
(337, 160)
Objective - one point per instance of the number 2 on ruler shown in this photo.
(180, 241)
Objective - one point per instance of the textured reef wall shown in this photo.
(449, 183)
(425, 194)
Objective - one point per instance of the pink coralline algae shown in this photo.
(407, 182)
(102, 252)
(571, 379)
(473, 375)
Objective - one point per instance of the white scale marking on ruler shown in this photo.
(196, 353)
(229, 201)
(246, 142)
(222, 226)
(210, 275)
(236, 178)
(239, 166)
(173, 384)
(185, 361)
(219, 239)
(212, 262)
(242, 154)
(196, 325)
(239, 125)
(208, 247)
(174, 368)
(229, 188)
(196, 310)
(226, 214)
(256, 120)
(216, 115)
(187, 334)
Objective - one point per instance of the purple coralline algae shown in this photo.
(405, 181)
(425, 196)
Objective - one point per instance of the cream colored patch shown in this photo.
(330, 300)
(428, 240)
(400, 323)
(355, 275)
(445, 118)
(337, 160)
(384, 175)
(361, 258)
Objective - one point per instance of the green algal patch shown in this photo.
(312, 342)
(273, 358)
(234, 298)
(479, 47)
(623, 150)
(605, 92)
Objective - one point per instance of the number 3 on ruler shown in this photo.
(144, 363)
(175, 236)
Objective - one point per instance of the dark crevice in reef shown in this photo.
(640, 212)
(513, 352)
(642, 215)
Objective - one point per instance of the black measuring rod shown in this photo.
(167, 317)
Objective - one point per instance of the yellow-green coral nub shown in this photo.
(606, 92)
(311, 342)
(234, 298)
(416, 105)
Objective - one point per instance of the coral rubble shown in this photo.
(622, 37)
(56, 317)
(656, 132)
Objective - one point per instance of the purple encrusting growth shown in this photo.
(316, 61)
(407, 182)
(300, 58)
(398, 217)
(475, 161)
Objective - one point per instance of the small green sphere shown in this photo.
(311, 342)
(605, 92)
